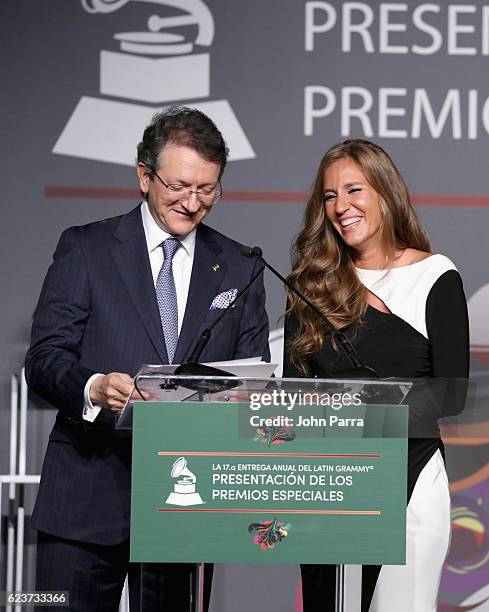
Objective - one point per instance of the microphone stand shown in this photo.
(358, 369)
(191, 366)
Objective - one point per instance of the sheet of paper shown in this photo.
(244, 361)
(261, 369)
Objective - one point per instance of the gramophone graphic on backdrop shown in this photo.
(184, 493)
(157, 66)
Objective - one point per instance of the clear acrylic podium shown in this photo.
(250, 470)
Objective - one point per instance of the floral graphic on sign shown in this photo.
(274, 434)
(268, 533)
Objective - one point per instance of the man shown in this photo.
(134, 289)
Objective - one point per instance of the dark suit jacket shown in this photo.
(98, 313)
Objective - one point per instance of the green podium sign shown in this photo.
(246, 482)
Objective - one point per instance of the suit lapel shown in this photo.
(208, 273)
(131, 259)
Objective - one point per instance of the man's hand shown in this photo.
(112, 390)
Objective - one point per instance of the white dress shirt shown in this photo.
(182, 271)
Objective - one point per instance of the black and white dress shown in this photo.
(425, 334)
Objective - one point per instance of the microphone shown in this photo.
(191, 366)
(358, 369)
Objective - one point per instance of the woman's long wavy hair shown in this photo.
(323, 265)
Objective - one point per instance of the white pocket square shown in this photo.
(223, 299)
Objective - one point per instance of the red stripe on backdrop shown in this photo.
(91, 193)
(259, 197)
(456, 201)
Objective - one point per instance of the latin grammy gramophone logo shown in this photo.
(184, 492)
(149, 70)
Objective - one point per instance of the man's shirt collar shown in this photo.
(155, 235)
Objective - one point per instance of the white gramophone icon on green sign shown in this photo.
(161, 65)
(184, 493)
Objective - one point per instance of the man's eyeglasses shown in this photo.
(205, 196)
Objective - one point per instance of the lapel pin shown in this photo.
(215, 267)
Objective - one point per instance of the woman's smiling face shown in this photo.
(352, 206)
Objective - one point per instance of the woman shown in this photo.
(364, 259)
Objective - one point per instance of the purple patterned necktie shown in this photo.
(167, 297)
